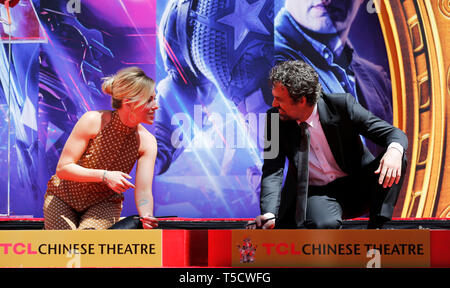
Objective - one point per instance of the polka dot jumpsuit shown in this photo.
(81, 205)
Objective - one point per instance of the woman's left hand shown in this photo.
(149, 222)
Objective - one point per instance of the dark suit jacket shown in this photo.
(342, 120)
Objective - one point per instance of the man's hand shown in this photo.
(390, 168)
(266, 221)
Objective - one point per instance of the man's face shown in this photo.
(287, 108)
(324, 16)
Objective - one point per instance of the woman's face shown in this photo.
(146, 113)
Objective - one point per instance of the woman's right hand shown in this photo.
(149, 222)
(117, 181)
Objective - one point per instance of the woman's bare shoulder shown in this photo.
(93, 121)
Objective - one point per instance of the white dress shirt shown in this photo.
(323, 168)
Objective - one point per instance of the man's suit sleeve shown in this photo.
(374, 128)
(272, 172)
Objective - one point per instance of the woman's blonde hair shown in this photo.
(129, 83)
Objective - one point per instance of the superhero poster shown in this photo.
(211, 60)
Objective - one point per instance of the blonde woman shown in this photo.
(92, 172)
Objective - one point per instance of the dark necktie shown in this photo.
(303, 175)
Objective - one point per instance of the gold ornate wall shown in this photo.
(418, 46)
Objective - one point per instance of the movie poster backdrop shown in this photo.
(211, 60)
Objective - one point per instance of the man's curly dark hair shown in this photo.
(299, 78)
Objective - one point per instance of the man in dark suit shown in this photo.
(344, 180)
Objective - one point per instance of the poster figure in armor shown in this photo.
(213, 52)
(212, 47)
